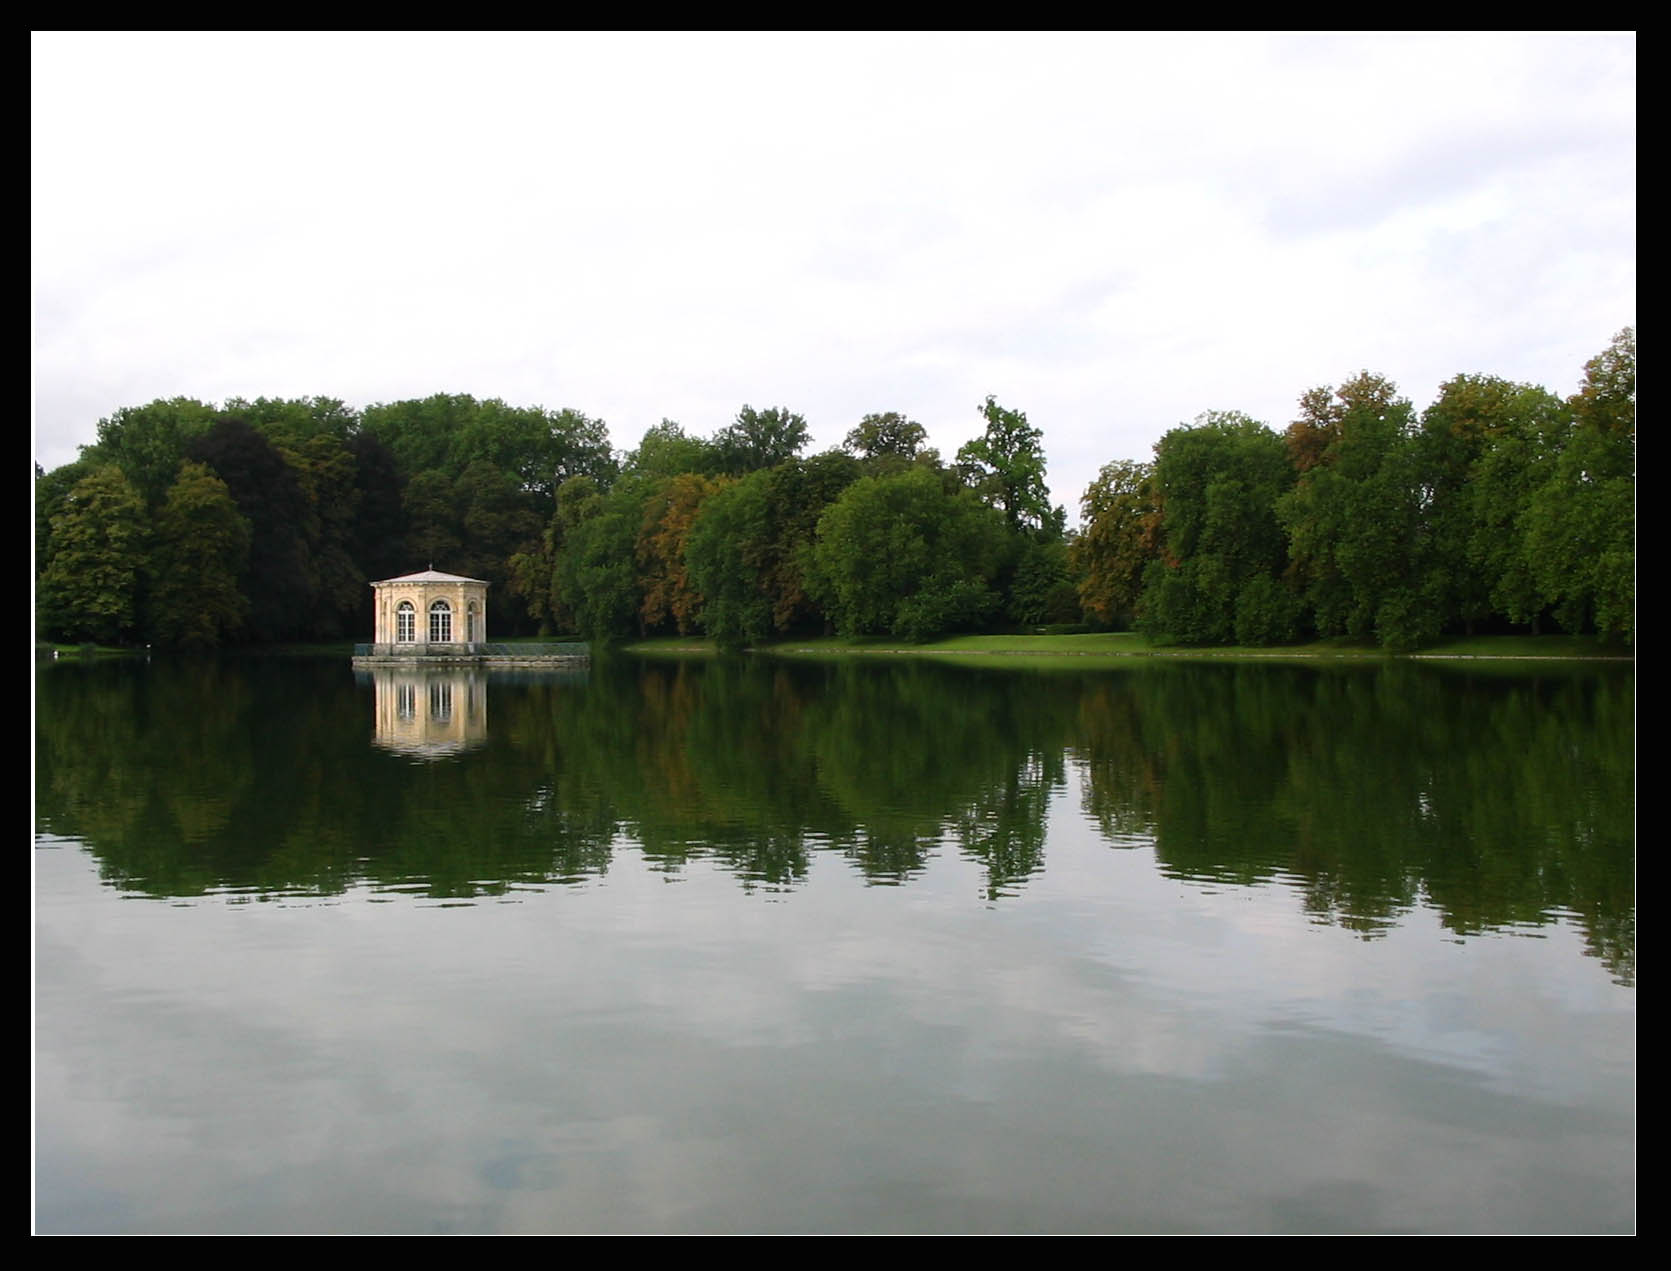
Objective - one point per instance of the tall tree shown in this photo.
(1119, 536)
(1582, 519)
(725, 558)
(51, 490)
(281, 582)
(1041, 588)
(1355, 523)
(595, 577)
(890, 438)
(540, 449)
(902, 555)
(202, 549)
(497, 517)
(377, 539)
(149, 442)
(579, 499)
(1216, 484)
(667, 451)
(1473, 448)
(434, 533)
(670, 514)
(291, 423)
(1323, 412)
(1005, 466)
(796, 496)
(325, 468)
(760, 439)
(101, 538)
(423, 433)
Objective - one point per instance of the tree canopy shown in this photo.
(1005, 466)
(1501, 506)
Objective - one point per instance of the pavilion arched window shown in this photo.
(440, 623)
(472, 623)
(406, 622)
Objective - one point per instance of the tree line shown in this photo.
(190, 526)
(1499, 507)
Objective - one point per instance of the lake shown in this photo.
(876, 945)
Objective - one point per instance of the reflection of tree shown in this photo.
(1500, 800)
(913, 751)
(1004, 828)
(257, 775)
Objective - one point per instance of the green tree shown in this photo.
(1581, 521)
(595, 579)
(326, 470)
(422, 433)
(760, 439)
(377, 538)
(101, 539)
(1216, 484)
(797, 494)
(1607, 402)
(1323, 413)
(434, 534)
(903, 555)
(747, 552)
(1119, 536)
(670, 514)
(282, 582)
(539, 449)
(725, 557)
(578, 500)
(201, 551)
(498, 521)
(1473, 451)
(149, 442)
(1041, 588)
(1005, 466)
(1357, 534)
(51, 490)
(890, 438)
(667, 451)
(290, 423)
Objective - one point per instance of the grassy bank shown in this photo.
(47, 650)
(1128, 644)
(1064, 648)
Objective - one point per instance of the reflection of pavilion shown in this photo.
(432, 712)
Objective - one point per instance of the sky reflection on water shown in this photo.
(1029, 1029)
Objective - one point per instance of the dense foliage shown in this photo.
(1500, 506)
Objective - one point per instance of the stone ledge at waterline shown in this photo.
(480, 654)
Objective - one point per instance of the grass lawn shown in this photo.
(47, 648)
(1118, 644)
(1049, 650)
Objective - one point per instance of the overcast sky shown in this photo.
(1113, 233)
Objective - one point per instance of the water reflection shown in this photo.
(837, 947)
(429, 712)
(1497, 800)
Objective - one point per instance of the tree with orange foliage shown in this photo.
(669, 514)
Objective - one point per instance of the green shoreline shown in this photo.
(1039, 650)
(1076, 649)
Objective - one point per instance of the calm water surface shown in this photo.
(872, 946)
